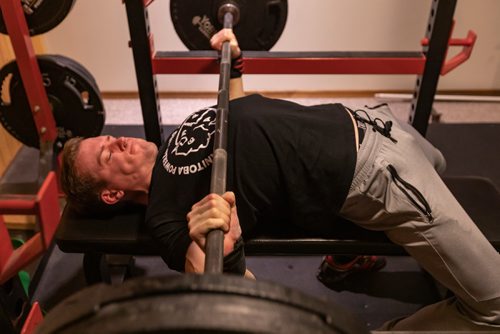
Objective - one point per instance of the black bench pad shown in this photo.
(124, 233)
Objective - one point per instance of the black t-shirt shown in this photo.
(289, 166)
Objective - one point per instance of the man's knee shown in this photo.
(440, 162)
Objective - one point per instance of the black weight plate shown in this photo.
(259, 28)
(74, 98)
(77, 67)
(46, 15)
(197, 304)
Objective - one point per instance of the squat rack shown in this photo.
(428, 64)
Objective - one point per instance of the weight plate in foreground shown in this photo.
(72, 93)
(197, 304)
(259, 28)
(42, 15)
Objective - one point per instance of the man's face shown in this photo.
(123, 163)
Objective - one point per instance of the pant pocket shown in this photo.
(411, 193)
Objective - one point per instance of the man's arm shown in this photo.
(236, 88)
(235, 84)
(195, 259)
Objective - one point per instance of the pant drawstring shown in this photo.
(378, 125)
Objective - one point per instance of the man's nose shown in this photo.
(120, 144)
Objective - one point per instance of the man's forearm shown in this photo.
(236, 88)
(195, 259)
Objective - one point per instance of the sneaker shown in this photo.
(332, 271)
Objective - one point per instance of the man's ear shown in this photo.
(111, 197)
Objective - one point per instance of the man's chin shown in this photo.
(152, 151)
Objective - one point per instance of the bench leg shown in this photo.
(107, 268)
(92, 268)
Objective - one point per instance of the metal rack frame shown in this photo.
(428, 64)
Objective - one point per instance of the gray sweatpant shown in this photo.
(396, 189)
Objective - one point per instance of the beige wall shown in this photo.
(96, 34)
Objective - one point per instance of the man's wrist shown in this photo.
(237, 67)
(229, 245)
(234, 262)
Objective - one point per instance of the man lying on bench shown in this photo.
(306, 166)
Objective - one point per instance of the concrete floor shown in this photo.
(175, 110)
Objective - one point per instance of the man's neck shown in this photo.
(138, 197)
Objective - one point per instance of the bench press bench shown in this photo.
(124, 233)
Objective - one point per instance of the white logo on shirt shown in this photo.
(195, 133)
(193, 136)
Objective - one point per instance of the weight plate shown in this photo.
(42, 15)
(78, 68)
(72, 93)
(259, 28)
(197, 304)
